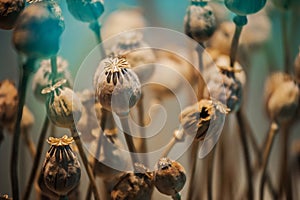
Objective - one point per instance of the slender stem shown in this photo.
(143, 148)
(22, 87)
(200, 50)
(285, 43)
(239, 21)
(129, 139)
(243, 138)
(284, 160)
(88, 168)
(1, 135)
(37, 158)
(210, 168)
(195, 147)
(96, 28)
(63, 197)
(266, 155)
(29, 142)
(54, 68)
(169, 147)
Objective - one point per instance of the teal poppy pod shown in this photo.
(245, 7)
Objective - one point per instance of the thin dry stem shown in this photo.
(266, 154)
(194, 151)
(29, 143)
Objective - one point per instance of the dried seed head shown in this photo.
(227, 86)
(137, 186)
(61, 168)
(117, 87)
(86, 10)
(195, 119)
(281, 97)
(5, 197)
(9, 12)
(199, 22)
(137, 52)
(38, 30)
(8, 102)
(43, 77)
(245, 7)
(297, 67)
(63, 106)
(169, 176)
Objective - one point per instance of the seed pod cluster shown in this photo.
(195, 119)
(138, 54)
(61, 169)
(63, 105)
(227, 85)
(86, 10)
(9, 12)
(43, 77)
(199, 22)
(134, 186)
(117, 87)
(281, 97)
(169, 176)
(38, 30)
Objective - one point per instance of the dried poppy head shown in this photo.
(199, 21)
(281, 97)
(169, 176)
(62, 105)
(9, 12)
(117, 87)
(8, 102)
(61, 168)
(43, 77)
(86, 10)
(137, 52)
(227, 86)
(195, 119)
(38, 30)
(133, 186)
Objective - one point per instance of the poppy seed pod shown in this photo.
(138, 53)
(86, 10)
(199, 21)
(9, 12)
(5, 197)
(245, 7)
(134, 186)
(169, 176)
(8, 102)
(195, 119)
(43, 77)
(227, 86)
(61, 168)
(63, 106)
(281, 97)
(117, 87)
(38, 30)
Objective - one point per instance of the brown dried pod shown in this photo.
(195, 119)
(9, 12)
(8, 103)
(137, 52)
(86, 10)
(43, 78)
(281, 97)
(38, 30)
(61, 168)
(199, 21)
(133, 186)
(63, 105)
(117, 87)
(169, 176)
(226, 86)
(5, 197)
